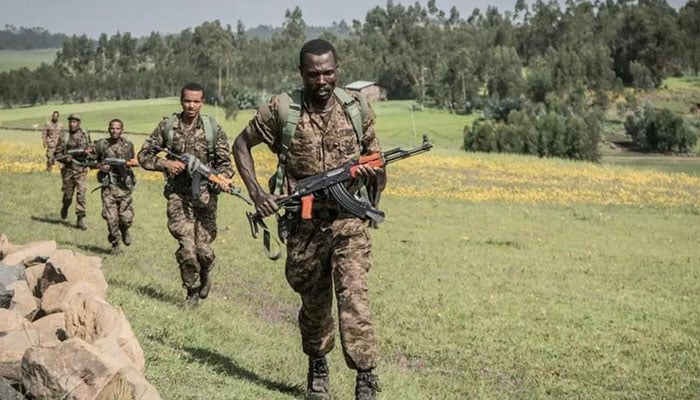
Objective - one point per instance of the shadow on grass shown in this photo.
(54, 221)
(226, 365)
(148, 291)
(92, 248)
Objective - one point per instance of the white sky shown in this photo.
(141, 17)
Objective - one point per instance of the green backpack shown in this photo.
(210, 132)
(289, 110)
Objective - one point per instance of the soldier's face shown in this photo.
(115, 130)
(54, 117)
(73, 125)
(319, 75)
(192, 101)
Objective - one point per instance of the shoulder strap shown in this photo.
(288, 112)
(168, 131)
(211, 132)
(352, 109)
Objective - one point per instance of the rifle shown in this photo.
(118, 168)
(332, 183)
(75, 153)
(198, 170)
(119, 163)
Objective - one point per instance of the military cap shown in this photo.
(74, 116)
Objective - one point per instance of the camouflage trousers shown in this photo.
(118, 211)
(74, 181)
(323, 255)
(194, 227)
(50, 155)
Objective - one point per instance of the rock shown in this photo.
(51, 329)
(64, 265)
(91, 318)
(7, 392)
(32, 275)
(57, 297)
(9, 274)
(11, 320)
(29, 251)
(13, 344)
(23, 301)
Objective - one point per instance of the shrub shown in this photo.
(654, 129)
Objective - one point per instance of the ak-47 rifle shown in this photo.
(198, 171)
(78, 156)
(118, 163)
(332, 183)
(118, 170)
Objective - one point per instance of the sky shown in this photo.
(141, 17)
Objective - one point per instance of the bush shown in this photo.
(536, 130)
(654, 129)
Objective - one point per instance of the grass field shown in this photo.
(16, 59)
(495, 276)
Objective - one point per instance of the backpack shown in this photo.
(289, 110)
(209, 123)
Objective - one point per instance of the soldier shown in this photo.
(332, 250)
(118, 183)
(49, 138)
(73, 171)
(191, 220)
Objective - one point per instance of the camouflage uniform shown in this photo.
(192, 222)
(117, 186)
(333, 248)
(50, 136)
(74, 175)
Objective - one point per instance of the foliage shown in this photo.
(419, 52)
(557, 129)
(13, 38)
(653, 129)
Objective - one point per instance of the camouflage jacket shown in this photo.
(193, 142)
(79, 139)
(320, 143)
(52, 132)
(117, 177)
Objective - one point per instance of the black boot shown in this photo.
(126, 238)
(317, 382)
(192, 299)
(116, 250)
(366, 385)
(204, 283)
(81, 223)
(64, 210)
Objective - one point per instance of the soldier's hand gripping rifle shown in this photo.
(198, 171)
(332, 183)
(117, 170)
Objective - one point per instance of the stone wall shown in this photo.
(59, 337)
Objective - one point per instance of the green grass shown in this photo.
(486, 301)
(15, 59)
(472, 300)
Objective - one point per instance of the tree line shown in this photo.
(538, 54)
(13, 38)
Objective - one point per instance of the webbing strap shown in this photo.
(289, 111)
(352, 109)
(210, 131)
